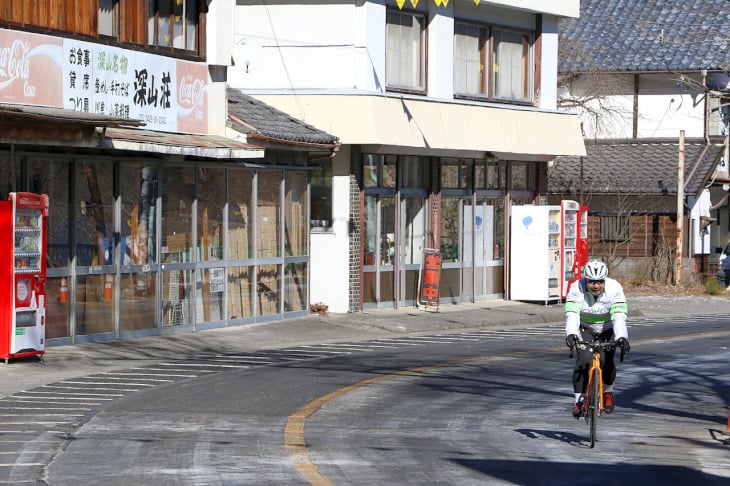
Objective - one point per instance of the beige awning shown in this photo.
(436, 127)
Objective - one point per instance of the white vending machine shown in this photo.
(544, 251)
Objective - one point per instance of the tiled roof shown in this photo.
(252, 117)
(635, 167)
(646, 35)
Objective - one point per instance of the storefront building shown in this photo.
(164, 215)
(446, 112)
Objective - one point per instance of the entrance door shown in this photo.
(379, 251)
(411, 239)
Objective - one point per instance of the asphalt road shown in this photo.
(470, 407)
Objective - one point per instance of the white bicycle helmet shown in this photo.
(595, 270)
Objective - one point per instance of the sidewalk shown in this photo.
(64, 362)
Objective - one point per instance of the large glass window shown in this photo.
(138, 189)
(295, 287)
(450, 230)
(94, 213)
(240, 284)
(267, 289)
(295, 218)
(456, 173)
(512, 74)
(211, 200)
(470, 59)
(240, 228)
(139, 196)
(177, 204)
(51, 177)
(268, 214)
(406, 55)
(415, 172)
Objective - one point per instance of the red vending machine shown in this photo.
(575, 237)
(23, 243)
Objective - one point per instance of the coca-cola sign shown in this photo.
(30, 68)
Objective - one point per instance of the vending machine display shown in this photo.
(548, 247)
(23, 221)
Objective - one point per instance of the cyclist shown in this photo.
(595, 306)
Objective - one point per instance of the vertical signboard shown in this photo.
(429, 295)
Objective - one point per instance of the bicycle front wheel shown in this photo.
(594, 406)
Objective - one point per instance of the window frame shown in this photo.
(420, 84)
(484, 54)
(615, 228)
(527, 63)
(122, 23)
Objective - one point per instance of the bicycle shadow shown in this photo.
(566, 437)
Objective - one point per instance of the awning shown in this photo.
(184, 144)
(441, 128)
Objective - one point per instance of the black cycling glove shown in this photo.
(571, 340)
(623, 343)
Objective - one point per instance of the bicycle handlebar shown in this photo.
(598, 345)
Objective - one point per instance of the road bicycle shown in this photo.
(593, 398)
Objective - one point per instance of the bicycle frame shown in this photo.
(593, 405)
(595, 369)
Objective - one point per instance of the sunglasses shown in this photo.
(599, 282)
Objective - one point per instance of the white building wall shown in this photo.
(664, 107)
(548, 89)
(289, 46)
(330, 251)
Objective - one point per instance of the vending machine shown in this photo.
(548, 247)
(23, 244)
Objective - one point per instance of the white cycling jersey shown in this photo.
(607, 311)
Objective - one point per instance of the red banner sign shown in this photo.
(430, 277)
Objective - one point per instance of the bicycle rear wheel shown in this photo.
(594, 406)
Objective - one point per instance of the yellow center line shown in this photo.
(296, 445)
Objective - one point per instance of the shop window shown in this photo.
(211, 199)
(240, 222)
(380, 171)
(94, 214)
(177, 203)
(470, 59)
(295, 214)
(456, 173)
(415, 171)
(512, 70)
(268, 214)
(520, 177)
(405, 52)
(490, 174)
(139, 195)
(321, 185)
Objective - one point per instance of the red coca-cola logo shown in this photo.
(14, 60)
(190, 92)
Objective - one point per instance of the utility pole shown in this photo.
(680, 210)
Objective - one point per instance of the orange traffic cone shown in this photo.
(108, 288)
(63, 294)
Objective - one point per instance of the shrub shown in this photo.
(713, 287)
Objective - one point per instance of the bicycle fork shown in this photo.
(595, 373)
